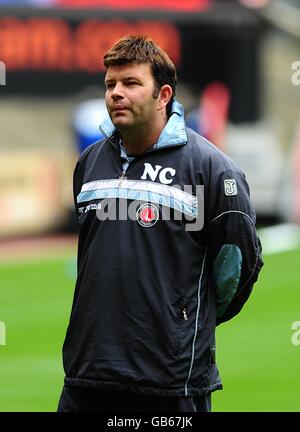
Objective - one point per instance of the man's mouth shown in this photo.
(118, 108)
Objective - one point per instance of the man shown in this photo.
(154, 281)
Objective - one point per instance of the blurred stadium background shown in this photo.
(239, 80)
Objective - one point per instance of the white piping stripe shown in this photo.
(170, 191)
(233, 211)
(130, 194)
(196, 325)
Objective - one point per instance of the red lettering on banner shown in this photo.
(14, 49)
(50, 44)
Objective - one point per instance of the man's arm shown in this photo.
(234, 247)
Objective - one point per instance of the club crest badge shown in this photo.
(230, 187)
(147, 215)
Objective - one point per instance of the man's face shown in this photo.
(129, 96)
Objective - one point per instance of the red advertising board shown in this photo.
(182, 5)
(60, 51)
(172, 5)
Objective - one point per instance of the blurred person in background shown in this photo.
(150, 292)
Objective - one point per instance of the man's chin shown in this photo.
(122, 123)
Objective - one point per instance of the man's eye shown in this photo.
(109, 86)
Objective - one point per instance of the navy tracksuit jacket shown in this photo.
(150, 290)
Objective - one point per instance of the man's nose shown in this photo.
(117, 92)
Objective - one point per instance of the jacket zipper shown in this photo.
(125, 172)
(184, 311)
(122, 177)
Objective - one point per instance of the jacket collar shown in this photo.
(174, 133)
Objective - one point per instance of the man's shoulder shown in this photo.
(199, 143)
(208, 154)
(92, 150)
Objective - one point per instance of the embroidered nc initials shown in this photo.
(152, 173)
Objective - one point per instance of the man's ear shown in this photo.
(165, 95)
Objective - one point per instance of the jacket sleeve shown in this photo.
(234, 249)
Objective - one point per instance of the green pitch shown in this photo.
(259, 364)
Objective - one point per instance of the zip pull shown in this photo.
(122, 177)
(185, 317)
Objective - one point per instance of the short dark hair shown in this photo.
(141, 49)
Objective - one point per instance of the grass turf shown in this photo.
(258, 363)
(35, 302)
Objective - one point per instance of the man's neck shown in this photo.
(137, 145)
(140, 140)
